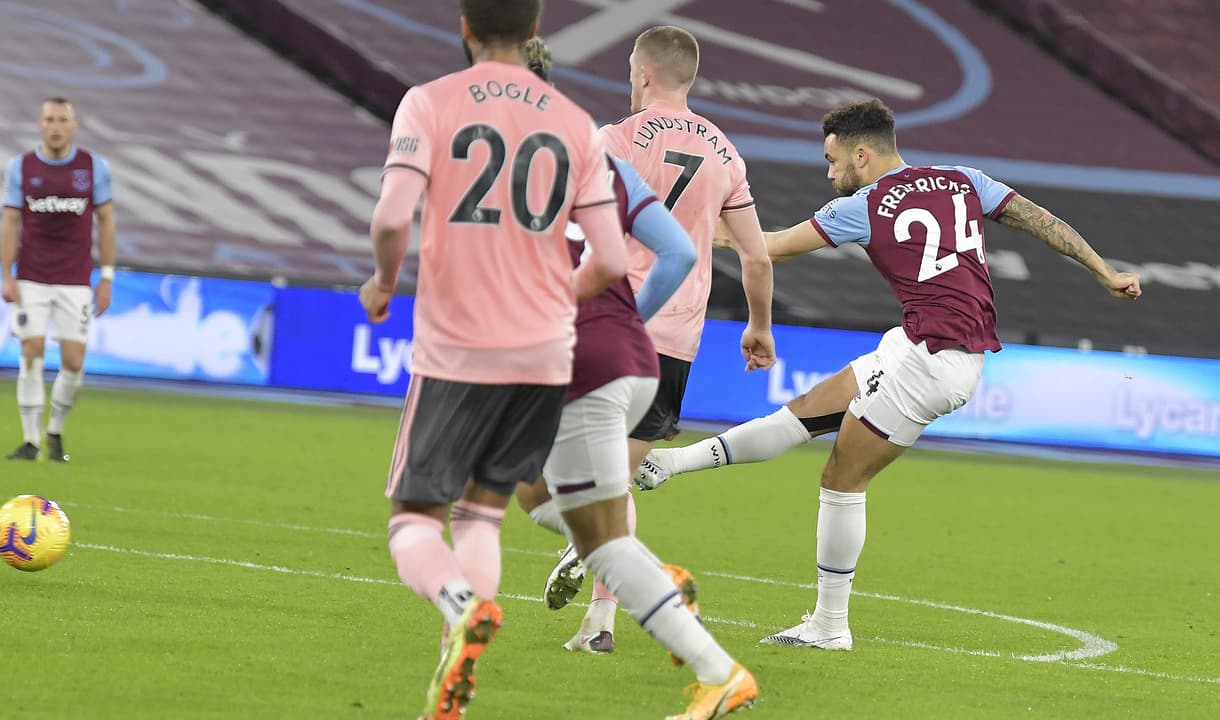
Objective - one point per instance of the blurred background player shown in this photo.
(687, 157)
(922, 229)
(51, 195)
(614, 380)
(503, 161)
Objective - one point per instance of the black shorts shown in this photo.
(453, 432)
(661, 420)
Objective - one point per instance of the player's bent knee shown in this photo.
(531, 495)
(596, 523)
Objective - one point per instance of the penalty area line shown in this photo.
(244, 564)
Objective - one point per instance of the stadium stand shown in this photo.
(226, 159)
(981, 94)
(237, 185)
(1160, 58)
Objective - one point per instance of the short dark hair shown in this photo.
(538, 57)
(865, 121)
(508, 21)
(57, 100)
(674, 52)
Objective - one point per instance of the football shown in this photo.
(34, 532)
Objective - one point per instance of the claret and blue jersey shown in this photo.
(57, 199)
(922, 229)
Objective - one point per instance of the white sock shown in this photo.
(760, 439)
(548, 516)
(649, 595)
(841, 528)
(63, 397)
(599, 617)
(31, 396)
(453, 600)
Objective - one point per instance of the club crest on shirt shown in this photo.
(36, 181)
(80, 180)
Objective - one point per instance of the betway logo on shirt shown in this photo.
(57, 204)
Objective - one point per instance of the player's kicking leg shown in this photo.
(817, 412)
(588, 481)
(905, 388)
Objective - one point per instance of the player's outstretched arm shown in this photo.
(782, 245)
(1023, 214)
(10, 233)
(758, 281)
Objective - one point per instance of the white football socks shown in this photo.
(31, 396)
(548, 516)
(649, 595)
(759, 439)
(63, 396)
(841, 529)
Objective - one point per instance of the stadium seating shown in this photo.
(244, 165)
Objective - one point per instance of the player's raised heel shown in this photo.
(453, 685)
(715, 701)
(690, 595)
(565, 580)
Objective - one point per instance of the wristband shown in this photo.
(108, 272)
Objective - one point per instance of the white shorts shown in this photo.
(903, 387)
(588, 462)
(68, 308)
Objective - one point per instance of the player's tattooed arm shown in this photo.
(1024, 214)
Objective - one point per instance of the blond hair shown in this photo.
(537, 57)
(671, 52)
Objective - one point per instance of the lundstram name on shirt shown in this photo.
(57, 204)
(889, 202)
(647, 132)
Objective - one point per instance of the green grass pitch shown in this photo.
(229, 561)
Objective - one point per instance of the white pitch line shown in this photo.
(271, 525)
(940, 648)
(1092, 646)
(530, 598)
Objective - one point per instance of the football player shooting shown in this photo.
(922, 229)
